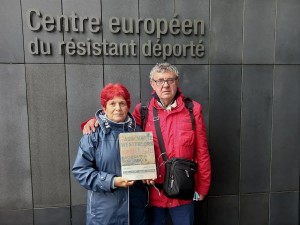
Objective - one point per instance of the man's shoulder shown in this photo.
(190, 103)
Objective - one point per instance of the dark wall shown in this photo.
(248, 82)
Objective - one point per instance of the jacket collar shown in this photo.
(173, 103)
(107, 125)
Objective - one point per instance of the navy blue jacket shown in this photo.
(96, 164)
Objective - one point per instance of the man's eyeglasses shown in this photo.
(162, 82)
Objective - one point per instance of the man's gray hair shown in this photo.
(162, 68)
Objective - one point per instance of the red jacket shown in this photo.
(180, 141)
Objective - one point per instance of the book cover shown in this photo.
(137, 155)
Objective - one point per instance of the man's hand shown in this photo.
(201, 198)
(148, 182)
(90, 126)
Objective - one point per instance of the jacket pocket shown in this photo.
(185, 139)
(185, 133)
(92, 202)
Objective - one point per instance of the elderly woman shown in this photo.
(98, 169)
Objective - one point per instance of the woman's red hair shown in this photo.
(114, 90)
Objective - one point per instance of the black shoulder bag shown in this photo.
(179, 179)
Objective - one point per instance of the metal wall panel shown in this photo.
(259, 32)
(284, 208)
(47, 112)
(84, 82)
(223, 210)
(256, 128)
(224, 125)
(11, 41)
(41, 38)
(286, 129)
(16, 217)
(254, 209)
(87, 8)
(155, 9)
(226, 32)
(287, 32)
(127, 9)
(15, 178)
(51, 216)
(198, 10)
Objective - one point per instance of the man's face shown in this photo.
(166, 90)
(116, 109)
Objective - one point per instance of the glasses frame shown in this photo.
(169, 81)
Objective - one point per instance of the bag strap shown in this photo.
(159, 135)
(190, 105)
(144, 114)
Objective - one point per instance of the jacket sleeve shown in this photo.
(83, 123)
(136, 114)
(84, 168)
(202, 156)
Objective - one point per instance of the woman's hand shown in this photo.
(122, 182)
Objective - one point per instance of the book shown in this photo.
(137, 155)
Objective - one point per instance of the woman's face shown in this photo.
(116, 109)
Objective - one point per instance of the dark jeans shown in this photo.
(138, 204)
(181, 215)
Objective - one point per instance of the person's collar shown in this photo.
(106, 124)
(170, 106)
(173, 103)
